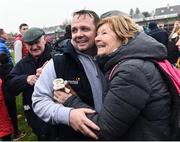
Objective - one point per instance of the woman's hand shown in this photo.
(61, 96)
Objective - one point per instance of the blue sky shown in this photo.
(43, 13)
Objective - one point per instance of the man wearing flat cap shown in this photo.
(25, 74)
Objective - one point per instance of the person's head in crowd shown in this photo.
(48, 38)
(68, 32)
(161, 26)
(114, 31)
(113, 13)
(23, 28)
(153, 25)
(3, 34)
(83, 29)
(34, 39)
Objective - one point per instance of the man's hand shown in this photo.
(79, 122)
(31, 79)
(39, 70)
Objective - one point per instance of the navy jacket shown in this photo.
(17, 79)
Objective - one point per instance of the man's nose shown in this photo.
(79, 33)
(33, 46)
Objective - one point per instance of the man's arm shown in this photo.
(17, 80)
(17, 51)
(78, 117)
(42, 101)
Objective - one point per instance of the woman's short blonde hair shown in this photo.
(123, 26)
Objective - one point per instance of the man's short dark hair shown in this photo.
(88, 12)
(22, 25)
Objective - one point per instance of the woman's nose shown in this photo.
(97, 38)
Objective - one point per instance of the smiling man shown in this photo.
(24, 75)
(75, 64)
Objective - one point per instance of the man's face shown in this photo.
(83, 32)
(37, 49)
(4, 35)
(23, 29)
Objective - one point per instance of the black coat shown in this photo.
(17, 79)
(17, 83)
(137, 103)
(160, 35)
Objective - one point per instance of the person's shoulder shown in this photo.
(17, 42)
(64, 43)
(25, 60)
(3, 47)
(64, 47)
(136, 62)
(18, 37)
(140, 64)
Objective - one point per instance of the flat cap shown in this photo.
(32, 35)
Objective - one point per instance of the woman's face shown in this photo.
(106, 40)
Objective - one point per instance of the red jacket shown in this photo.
(6, 126)
(24, 48)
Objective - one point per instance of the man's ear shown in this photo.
(44, 39)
